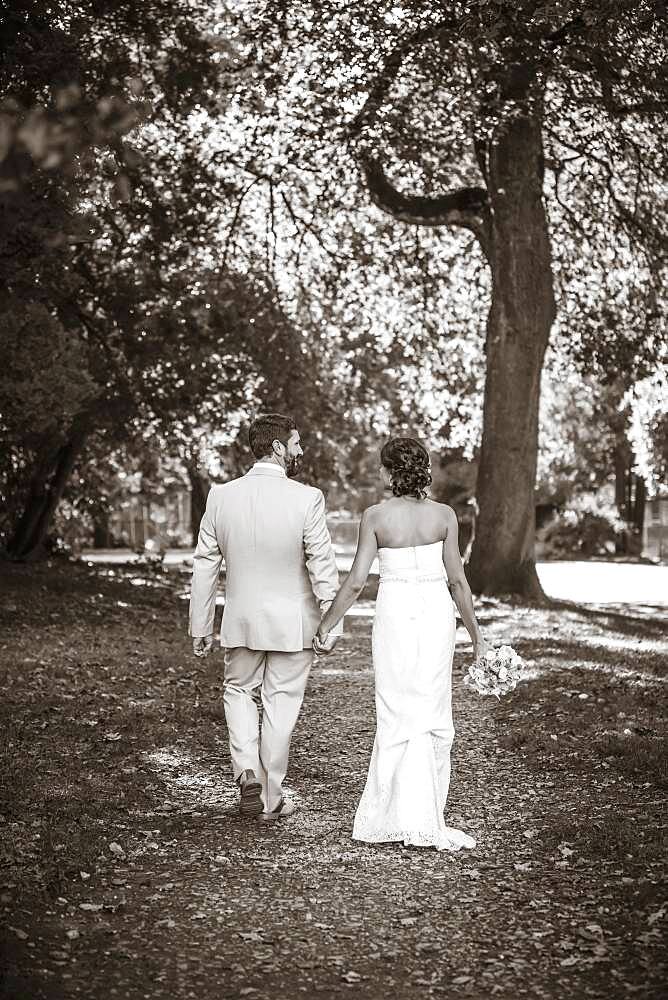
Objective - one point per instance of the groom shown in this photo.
(281, 577)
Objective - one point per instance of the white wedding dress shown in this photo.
(413, 644)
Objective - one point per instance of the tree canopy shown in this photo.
(528, 130)
(378, 216)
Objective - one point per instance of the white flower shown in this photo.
(496, 673)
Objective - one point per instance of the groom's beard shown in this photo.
(293, 466)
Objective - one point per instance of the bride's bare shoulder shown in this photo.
(445, 511)
(368, 522)
(371, 514)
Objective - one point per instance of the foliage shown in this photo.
(71, 80)
(289, 148)
(150, 369)
(45, 378)
(577, 440)
(71, 87)
(407, 107)
(173, 347)
(159, 162)
(647, 401)
(582, 531)
(45, 382)
(105, 481)
(194, 419)
(591, 428)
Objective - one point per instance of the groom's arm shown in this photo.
(320, 559)
(207, 561)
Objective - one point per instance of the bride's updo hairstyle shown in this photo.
(407, 462)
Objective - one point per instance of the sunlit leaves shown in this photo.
(285, 147)
(648, 431)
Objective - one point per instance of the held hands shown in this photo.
(202, 645)
(324, 643)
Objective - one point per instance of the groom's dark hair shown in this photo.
(266, 429)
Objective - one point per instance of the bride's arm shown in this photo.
(461, 592)
(350, 589)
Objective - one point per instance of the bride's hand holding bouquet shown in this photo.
(480, 647)
(494, 671)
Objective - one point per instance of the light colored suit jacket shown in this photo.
(281, 573)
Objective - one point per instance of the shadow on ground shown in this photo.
(126, 871)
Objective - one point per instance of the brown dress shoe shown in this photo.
(251, 794)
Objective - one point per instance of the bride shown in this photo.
(413, 643)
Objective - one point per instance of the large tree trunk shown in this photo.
(508, 218)
(44, 494)
(518, 329)
(503, 557)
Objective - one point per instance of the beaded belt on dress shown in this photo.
(417, 578)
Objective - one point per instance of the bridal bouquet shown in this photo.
(497, 672)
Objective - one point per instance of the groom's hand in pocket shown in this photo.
(202, 645)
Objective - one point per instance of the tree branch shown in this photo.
(634, 224)
(308, 227)
(648, 107)
(467, 207)
(236, 216)
(393, 63)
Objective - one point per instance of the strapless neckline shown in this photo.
(398, 548)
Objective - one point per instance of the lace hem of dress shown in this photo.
(452, 840)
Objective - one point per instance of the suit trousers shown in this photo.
(282, 679)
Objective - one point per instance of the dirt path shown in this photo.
(129, 873)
